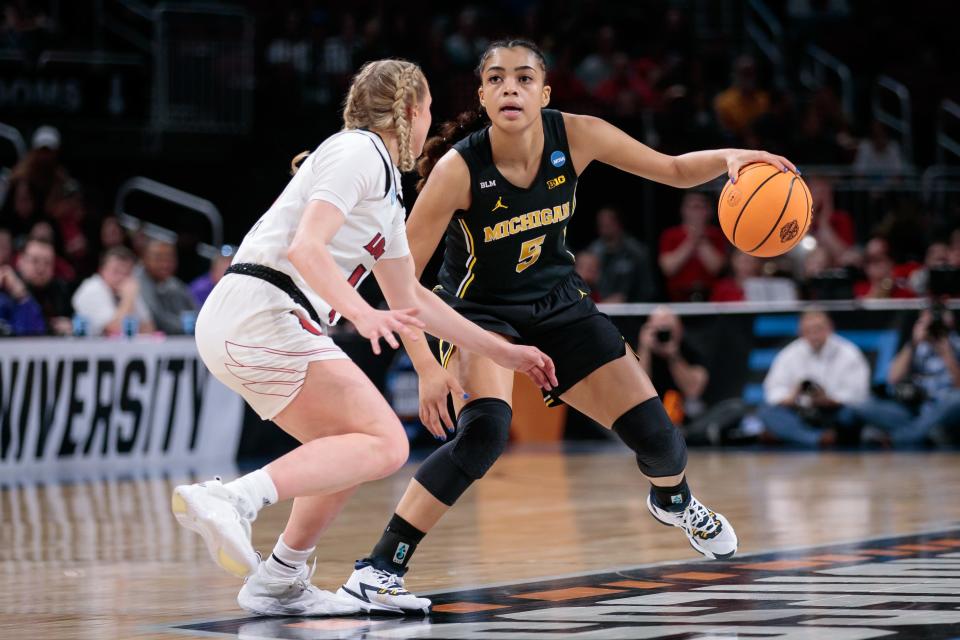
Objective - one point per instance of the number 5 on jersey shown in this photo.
(530, 252)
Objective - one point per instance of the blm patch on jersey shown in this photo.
(897, 588)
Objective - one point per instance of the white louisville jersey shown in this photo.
(353, 171)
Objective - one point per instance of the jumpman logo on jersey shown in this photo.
(583, 294)
(499, 204)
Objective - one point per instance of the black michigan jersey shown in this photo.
(510, 245)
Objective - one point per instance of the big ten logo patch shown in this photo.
(556, 182)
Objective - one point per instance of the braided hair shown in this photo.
(380, 98)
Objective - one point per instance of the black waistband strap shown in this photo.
(278, 279)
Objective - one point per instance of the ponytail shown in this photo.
(449, 134)
(468, 121)
(297, 159)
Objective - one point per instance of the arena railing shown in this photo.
(175, 196)
(948, 115)
(901, 122)
(819, 64)
(11, 135)
(766, 32)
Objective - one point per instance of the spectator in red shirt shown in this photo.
(832, 227)
(878, 269)
(67, 209)
(44, 231)
(565, 87)
(692, 253)
(626, 90)
(731, 289)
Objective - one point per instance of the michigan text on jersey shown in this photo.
(523, 222)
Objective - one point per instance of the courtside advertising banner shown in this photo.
(116, 403)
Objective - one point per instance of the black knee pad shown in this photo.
(659, 445)
(483, 428)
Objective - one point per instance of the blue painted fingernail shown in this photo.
(466, 395)
(733, 179)
(785, 169)
(798, 172)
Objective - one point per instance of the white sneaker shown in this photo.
(223, 519)
(267, 595)
(708, 532)
(376, 590)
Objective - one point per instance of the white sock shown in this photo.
(285, 562)
(257, 487)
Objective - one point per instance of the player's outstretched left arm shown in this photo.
(592, 139)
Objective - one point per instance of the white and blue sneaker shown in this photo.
(380, 591)
(222, 518)
(709, 533)
(267, 595)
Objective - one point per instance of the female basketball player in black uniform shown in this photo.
(505, 194)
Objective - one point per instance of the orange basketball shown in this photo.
(766, 212)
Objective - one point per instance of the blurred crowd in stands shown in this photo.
(58, 258)
(66, 270)
(693, 262)
(659, 81)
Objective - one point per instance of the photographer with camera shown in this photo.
(811, 383)
(672, 364)
(924, 380)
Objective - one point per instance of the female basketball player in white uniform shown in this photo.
(262, 333)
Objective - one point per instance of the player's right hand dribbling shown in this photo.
(375, 324)
(532, 362)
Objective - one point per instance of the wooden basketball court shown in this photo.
(105, 559)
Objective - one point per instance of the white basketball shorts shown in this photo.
(258, 342)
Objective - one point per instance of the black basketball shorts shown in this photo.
(565, 324)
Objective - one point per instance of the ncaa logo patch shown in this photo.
(558, 159)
